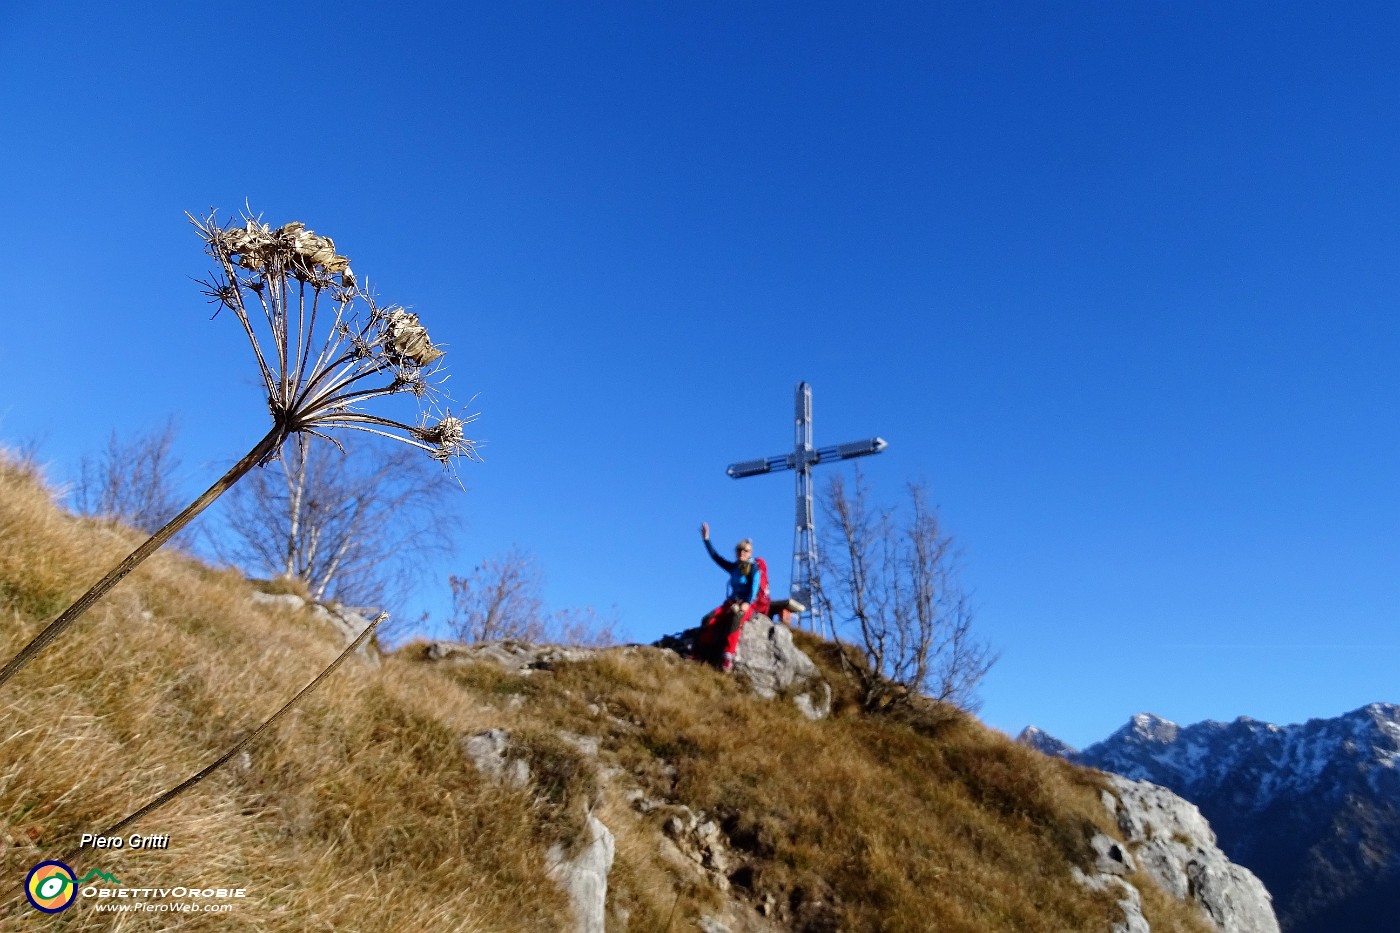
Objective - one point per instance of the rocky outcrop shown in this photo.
(1313, 809)
(702, 841)
(771, 663)
(767, 659)
(584, 874)
(1172, 843)
(1129, 899)
(518, 657)
(490, 752)
(348, 622)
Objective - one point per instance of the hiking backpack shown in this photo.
(761, 602)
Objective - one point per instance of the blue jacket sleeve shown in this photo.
(726, 565)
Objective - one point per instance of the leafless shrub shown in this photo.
(349, 527)
(501, 599)
(892, 581)
(24, 457)
(130, 480)
(581, 626)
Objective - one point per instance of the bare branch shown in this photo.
(351, 523)
(501, 599)
(893, 583)
(130, 481)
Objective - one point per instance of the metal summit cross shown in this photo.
(801, 460)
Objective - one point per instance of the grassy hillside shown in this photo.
(361, 811)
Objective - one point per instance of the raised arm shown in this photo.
(726, 565)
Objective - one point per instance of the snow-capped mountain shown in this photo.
(1313, 809)
(1045, 743)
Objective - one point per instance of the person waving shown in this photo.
(721, 627)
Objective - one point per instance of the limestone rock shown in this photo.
(772, 663)
(1110, 857)
(585, 876)
(518, 657)
(703, 842)
(1130, 900)
(1176, 847)
(489, 751)
(348, 622)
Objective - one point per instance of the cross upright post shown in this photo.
(803, 457)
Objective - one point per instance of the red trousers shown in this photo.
(723, 622)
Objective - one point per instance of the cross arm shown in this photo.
(800, 458)
(755, 467)
(871, 445)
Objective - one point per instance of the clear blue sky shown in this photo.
(1118, 280)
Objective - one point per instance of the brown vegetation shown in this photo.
(358, 812)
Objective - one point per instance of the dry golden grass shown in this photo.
(361, 811)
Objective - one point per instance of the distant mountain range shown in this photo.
(1312, 809)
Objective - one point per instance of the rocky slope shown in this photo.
(1159, 841)
(1313, 809)
(511, 787)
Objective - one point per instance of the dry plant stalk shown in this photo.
(227, 756)
(282, 285)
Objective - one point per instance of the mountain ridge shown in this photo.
(1312, 808)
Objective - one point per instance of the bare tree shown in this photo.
(501, 599)
(130, 481)
(351, 527)
(892, 578)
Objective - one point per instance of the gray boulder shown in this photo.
(772, 664)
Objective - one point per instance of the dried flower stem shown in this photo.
(70, 615)
(224, 759)
(390, 345)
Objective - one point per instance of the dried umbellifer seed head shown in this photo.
(289, 234)
(407, 340)
(316, 250)
(448, 435)
(248, 238)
